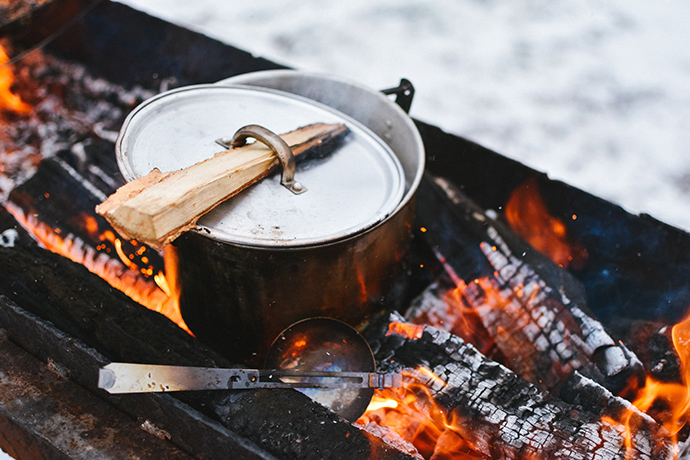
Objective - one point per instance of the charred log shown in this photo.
(533, 310)
(652, 342)
(502, 415)
(684, 453)
(637, 266)
(583, 392)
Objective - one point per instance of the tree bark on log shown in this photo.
(500, 414)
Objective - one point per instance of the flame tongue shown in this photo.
(160, 295)
(414, 416)
(528, 216)
(9, 102)
(669, 402)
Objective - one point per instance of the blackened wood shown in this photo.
(88, 310)
(63, 196)
(308, 430)
(154, 50)
(500, 414)
(652, 342)
(581, 391)
(541, 323)
(38, 407)
(637, 266)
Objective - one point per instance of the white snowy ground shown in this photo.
(596, 93)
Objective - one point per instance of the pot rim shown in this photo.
(366, 150)
(280, 80)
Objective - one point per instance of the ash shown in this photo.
(71, 108)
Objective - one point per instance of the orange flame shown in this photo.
(413, 415)
(456, 315)
(528, 216)
(124, 276)
(9, 101)
(409, 331)
(668, 402)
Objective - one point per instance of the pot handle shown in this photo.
(404, 93)
(279, 147)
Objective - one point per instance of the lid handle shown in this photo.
(278, 146)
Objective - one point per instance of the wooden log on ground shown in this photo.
(157, 208)
(532, 309)
(498, 413)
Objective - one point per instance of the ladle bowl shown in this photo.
(325, 344)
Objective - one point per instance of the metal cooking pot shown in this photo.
(267, 258)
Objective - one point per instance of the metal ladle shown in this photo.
(325, 344)
(322, 357)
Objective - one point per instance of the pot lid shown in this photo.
(349, 191)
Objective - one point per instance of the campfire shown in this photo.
(511, 336)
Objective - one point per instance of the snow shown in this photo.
(595, 93)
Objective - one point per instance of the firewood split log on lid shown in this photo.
(157, 208)
(500, 414)
(531, 308)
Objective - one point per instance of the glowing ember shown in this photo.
(527, 215)
(9, 102)
(409, 331)
(457, 315)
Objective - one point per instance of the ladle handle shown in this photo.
(278, 146)
(119, 378)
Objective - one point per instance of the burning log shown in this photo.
(532, 310)
(501, 415)
(583, 392)
(57, 203)
(684, 453)
(157, 208)
(92, 313)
